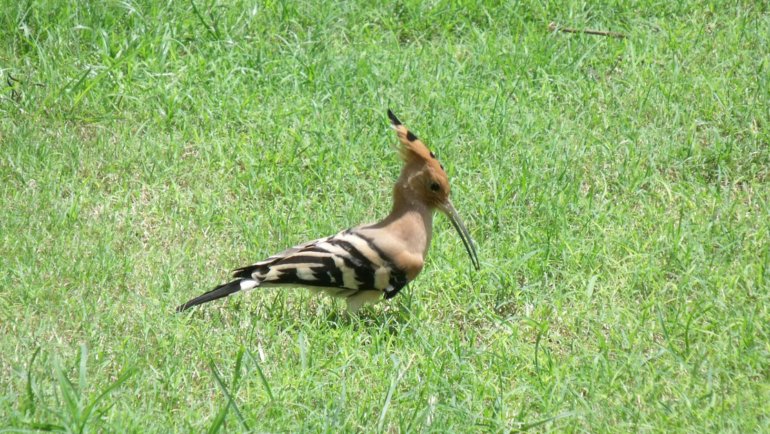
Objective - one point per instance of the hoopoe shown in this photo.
(366, 263)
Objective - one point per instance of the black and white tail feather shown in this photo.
(347, 265)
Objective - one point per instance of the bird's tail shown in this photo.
(220, 291)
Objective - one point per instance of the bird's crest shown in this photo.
(412, 149)
(421, 167)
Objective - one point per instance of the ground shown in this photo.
(617, 190)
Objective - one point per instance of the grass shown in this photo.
(617, 190)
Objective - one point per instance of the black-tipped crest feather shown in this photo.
(393, 118)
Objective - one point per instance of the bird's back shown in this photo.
(341, 265)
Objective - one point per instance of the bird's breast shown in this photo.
(405, 254)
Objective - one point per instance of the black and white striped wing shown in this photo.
(343, 265)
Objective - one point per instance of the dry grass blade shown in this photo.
(553, 27)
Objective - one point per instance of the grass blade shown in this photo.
(28, 406)
(122, 378)
(262, 376)
(83, 371)
(222, 386)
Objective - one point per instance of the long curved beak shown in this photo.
(449, 209)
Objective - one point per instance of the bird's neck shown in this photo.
(411, 220)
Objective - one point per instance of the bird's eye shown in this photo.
(434, 186)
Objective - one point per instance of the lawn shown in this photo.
(617, 190)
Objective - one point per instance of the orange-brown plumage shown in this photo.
(422, 187)
(422, 174)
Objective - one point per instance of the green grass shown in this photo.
(618, 191)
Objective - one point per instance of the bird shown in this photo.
(369, 263)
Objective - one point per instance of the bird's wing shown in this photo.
(245, 272)
(347, 262)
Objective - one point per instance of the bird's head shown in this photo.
(425, 179)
